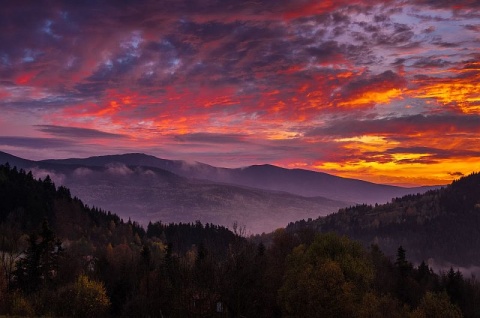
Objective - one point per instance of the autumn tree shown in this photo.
(326, 279)
(84, 298)
(436, 305)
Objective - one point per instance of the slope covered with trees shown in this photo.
(441, 225)
(62, 258)
(52, 245)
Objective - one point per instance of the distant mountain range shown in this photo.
(262, 197)
(302, 182)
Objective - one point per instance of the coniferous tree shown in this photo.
(38, 267)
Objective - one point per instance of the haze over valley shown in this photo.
(260, 198)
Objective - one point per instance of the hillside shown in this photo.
(267, 177)
(26, 202)
(147, 194)
(53, 248)
(441, 226)
(150, 195)
(49, 238)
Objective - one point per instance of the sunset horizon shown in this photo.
(382, 91)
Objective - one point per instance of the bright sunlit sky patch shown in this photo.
(385, 91)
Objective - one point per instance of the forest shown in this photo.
(62, 258)
(442, 225)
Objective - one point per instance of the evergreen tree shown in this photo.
(39, 264)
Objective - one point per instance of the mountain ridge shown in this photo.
(307, 183)
(150, 194)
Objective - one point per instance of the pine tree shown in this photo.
(38, 266)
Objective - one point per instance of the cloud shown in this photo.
(212, 138)
(425, 154)
(82, 172)
(76, 132)
(118, 169)
(456, 174)
(57, 178)
(455, 5)
(431, 62)
(366, 90)
(472, 27)
(33, 142)
(460, 92)
(401, 126)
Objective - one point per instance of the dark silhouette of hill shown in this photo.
(268, 177)
(26, 202)
(15, 161)
(441, 225)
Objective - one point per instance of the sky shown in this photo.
(383, 91)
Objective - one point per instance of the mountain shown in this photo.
(26, 202)
(440, 226)
(268, 177)
(14, 161)
(150, 194)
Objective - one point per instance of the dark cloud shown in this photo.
(429, 30)
(381, 82)
(456, 174)
(448, 4)
(400, 126)
(369, 27)
(435, 153)
(326, 51)
(212, 138)
(443, 44)
(426, 155)
(422, 160)
(33, 142)
(472, 27)
(76, 132)
(427, 62)
(40, 104)
(399, 61)
(397, 38)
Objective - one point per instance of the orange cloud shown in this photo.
(372, 98)
(461, 91)
(408, 174)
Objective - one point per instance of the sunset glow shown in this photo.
(384, 91)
